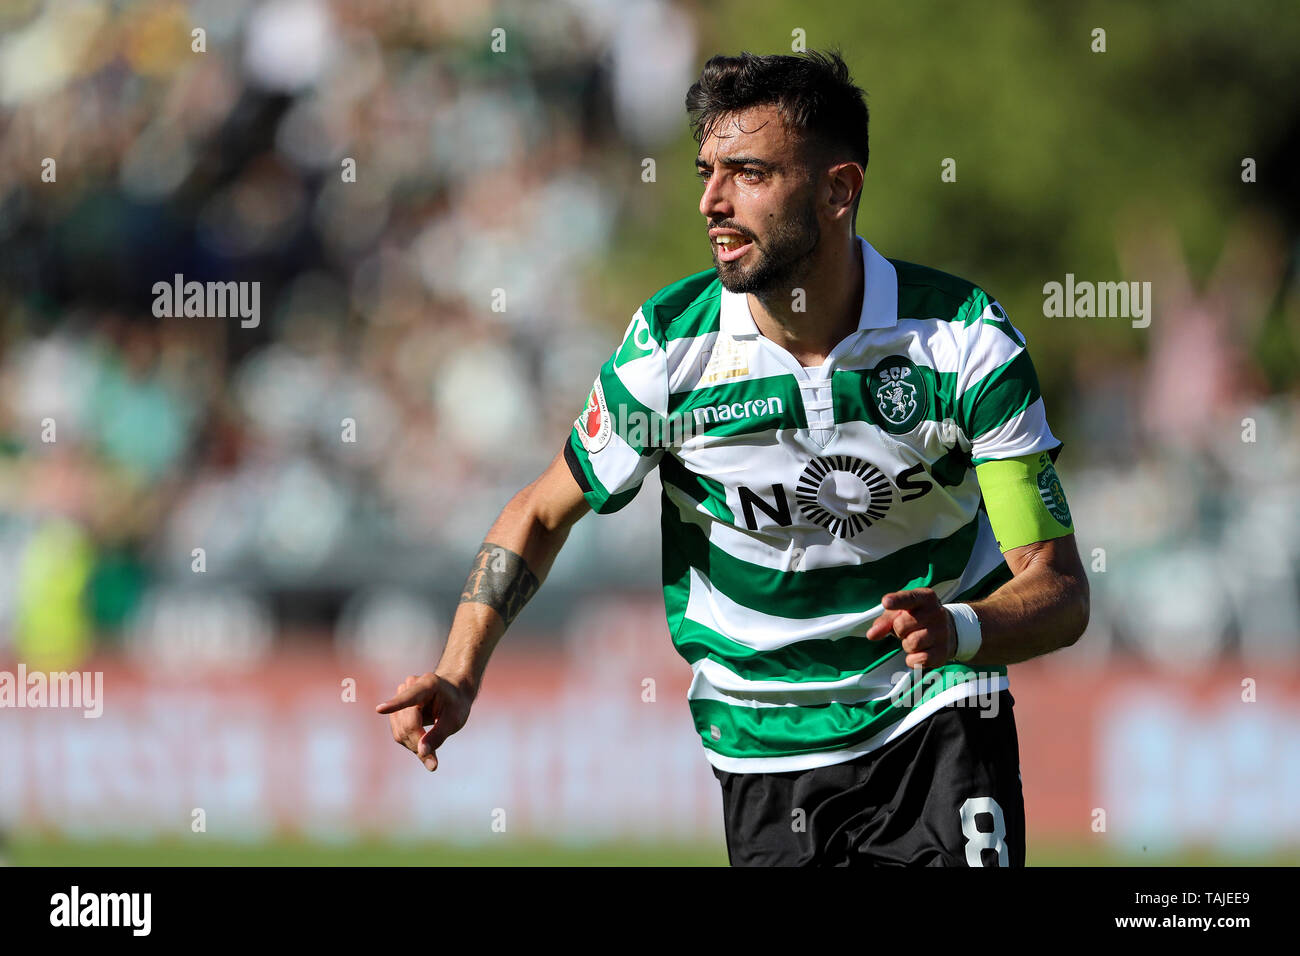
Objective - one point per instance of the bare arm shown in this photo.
(1043, 608)
(510, 566)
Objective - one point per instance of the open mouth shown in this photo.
(730, 247)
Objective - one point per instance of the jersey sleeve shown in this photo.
(615, 441)
(1000, 410)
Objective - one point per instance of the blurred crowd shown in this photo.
(426, 336)
(418, 188)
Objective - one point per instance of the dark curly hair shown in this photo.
(813, 92)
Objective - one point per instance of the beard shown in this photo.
(775, 265)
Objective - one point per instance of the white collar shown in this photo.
(879, 298)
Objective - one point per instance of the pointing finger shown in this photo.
(407, 698)
(902, 600)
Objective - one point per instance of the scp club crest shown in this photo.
(897, 395)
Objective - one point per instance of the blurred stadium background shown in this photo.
(524, 170)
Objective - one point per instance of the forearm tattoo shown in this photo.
(501, 580)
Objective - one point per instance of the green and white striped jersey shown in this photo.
(794, 498)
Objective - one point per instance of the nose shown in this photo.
(714, 204)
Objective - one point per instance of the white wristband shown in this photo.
(969, 637)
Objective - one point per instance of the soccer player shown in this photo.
(862, 526)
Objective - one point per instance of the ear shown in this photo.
(845, 182)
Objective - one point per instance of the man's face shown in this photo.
(759, 199)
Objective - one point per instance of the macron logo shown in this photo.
(730, 412)
(102, 909)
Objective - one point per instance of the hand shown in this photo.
(427, 699)
(923, 624)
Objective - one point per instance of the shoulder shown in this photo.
(966, 308)
(925, 293)
(684, 309)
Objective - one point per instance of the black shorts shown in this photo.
(945, 793)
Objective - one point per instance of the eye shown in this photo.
(702, 174)
(752, 175)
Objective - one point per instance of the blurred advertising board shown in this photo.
(586, 736)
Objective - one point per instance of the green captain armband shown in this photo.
(1024, 500)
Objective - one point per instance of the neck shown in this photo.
(831, 304)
